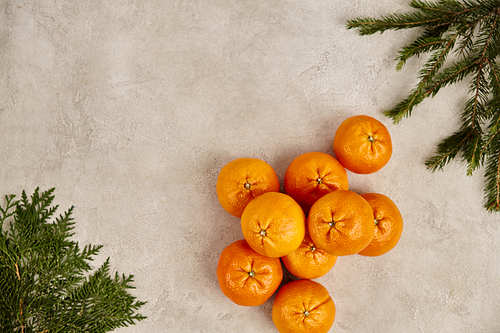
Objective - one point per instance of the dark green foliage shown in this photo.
(46, 283)
(471, 30)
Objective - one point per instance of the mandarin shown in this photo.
(362, 144)
(246, 277)
(308, 261)
(312, 175)
(341, 223)
(303, 306)
(388, 225)
(273, 224)
(243, 179)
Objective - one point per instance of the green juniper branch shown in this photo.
(470, 29)
(43, 287)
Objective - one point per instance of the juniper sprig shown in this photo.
(46, 282)
(469, 29)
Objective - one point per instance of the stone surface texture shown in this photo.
(130, 108)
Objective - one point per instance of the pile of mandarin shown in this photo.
(306, 228)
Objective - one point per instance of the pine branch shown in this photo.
(430, 15)
(448, 149)
(453, 74)
(369, 26)
(43, 283)
(418, 94)
(419, 46)
(471, 30)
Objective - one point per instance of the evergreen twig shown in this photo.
(471, 30)
(46, 281)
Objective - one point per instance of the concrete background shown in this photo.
(130, 108)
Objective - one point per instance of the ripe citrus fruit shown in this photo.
(362, 144)
(303, 306)
(308, 261)
(312, 175)
(341, 223)
(388, 225)
(273, 224)
(243, 179)
(246, 277)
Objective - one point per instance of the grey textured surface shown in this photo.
(130, 108)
